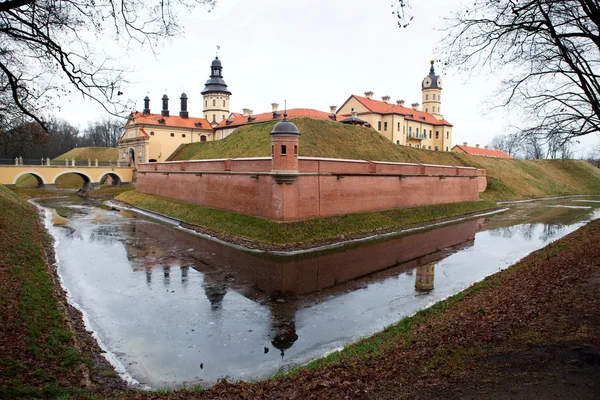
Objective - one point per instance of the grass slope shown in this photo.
(299, 233)
(40, 355)
(90, 153)
(507, 179)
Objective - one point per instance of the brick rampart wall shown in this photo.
(324, 187)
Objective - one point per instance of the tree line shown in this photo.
(22, 137)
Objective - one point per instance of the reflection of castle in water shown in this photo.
(282, 283)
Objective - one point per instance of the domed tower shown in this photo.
(216, 95)
(432, 92)
(284, 151)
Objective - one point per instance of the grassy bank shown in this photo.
(507, 179)
(41, 351)
(531, 331)
(90, 153)
(299, 234)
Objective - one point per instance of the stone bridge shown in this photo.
(47, 175)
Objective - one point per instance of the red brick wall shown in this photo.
(324, 187)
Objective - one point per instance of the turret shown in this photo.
(284, 151)
(216, 95)
(432, 92)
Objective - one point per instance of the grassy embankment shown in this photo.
(299, 233)
(41, 354)
(90, 153)
(507, 179)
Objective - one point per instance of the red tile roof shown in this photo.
(173, 120)
(481, 151)
(410, 114)
(236, 120)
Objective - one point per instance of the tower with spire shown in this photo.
(432, 93)
(216, 95)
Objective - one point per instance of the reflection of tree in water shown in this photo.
(550, 231)
(527, 231)
(106, 234)
(507, 232)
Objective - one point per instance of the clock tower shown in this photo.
(432, 93)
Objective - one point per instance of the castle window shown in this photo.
(398, 126)
(446, 148)
(223, 117)
(427, 97)
(385, 126)
(429, 148)
(436, 148)
(172, 134)
(434, 96)
(203, 138)
(379, 125)
(417, 131)
(447, 135)
(283, 149)
(430, 134)
(426, 109)
(183, 135)
(272, 150)
(433, 108)
(409, 130)
(214, 102)
(223, 103)
(437, 134)
(295, 150)
(397, 142)
(151, 133)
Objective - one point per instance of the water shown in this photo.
(173, 308)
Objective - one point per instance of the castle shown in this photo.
(152, 137)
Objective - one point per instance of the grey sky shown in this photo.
(314, 53)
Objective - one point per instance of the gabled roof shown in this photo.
(236, 120)
(139, 118)
(479, 151)
(380, 107)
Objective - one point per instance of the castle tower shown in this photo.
(284, 151)
(432, 92)
(216, 95)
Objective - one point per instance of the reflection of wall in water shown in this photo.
(424, 278)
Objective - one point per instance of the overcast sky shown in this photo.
(312, 53)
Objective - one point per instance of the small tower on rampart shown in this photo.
(284, 151)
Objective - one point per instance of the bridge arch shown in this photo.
(116, 178)
(40, 179)
(87, 181)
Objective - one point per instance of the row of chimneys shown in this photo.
(477, 145)
(386, 99)
(165, 106)
(248, 112)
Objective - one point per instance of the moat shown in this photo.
(173, 308)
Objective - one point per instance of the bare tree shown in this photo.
(533, 147)
(102, 133)
(510, 144)
(550, 51)
(47, 48)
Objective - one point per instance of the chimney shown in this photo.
(386, 99)
(246, 112)
(184, 112)
(486, 147)
(400, 103)
(415, 106)
(333, 109)
(369, 95)
(146, 105)
(465, 144)
(477, 145)
(165, 110)
(275, 106)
